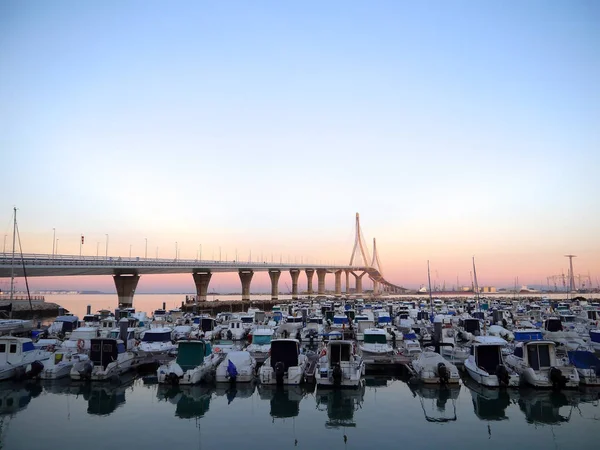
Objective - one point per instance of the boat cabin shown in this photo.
(207, 323)
(487, 352)
(13, 348)
(593, 314)
(64, 324)
(262, 336)
(315, 320)
(108, 323)
(528, 334)
(191, 354)
(116, 334)
(340, 320)
(375, 336)
(236, 324)
(91, 319)
(553, 324)
(157, 335)
(339, 352)
(472, 326)
(286, 351)
(294, 319)
(247, 319)
(537, 354)
(105, 351)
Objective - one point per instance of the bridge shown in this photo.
(126, 272)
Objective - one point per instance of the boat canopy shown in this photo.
(528, 335)
(339, 351)
(261, 339)
(553, 324)
(105, 351)
(191, 354)
(340, 319)
(374, 337)
(286, 351)
(161, 335)
(584, 360)
(488, 357)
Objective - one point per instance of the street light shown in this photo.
(57, 246)
(106, 255)
(53, 240)
(146, 249)
(4, 248)
(175, 250)
(129, 251)
(97, 248)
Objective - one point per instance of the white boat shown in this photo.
(285, 365)
(157, 341)
(108, 359)
(375, 346)
(63, 325)
(339, 365)
(313, 332)
(595, 339)
(15, 326)
(538, 365)
(410, 346)
(486, 363)
(237, 367)
(19, 358)
(261, 344)
(61, 363)
(587, 365)
(432, 368)
(445, 334)
(195, 360)
(208, 328)
(235, 330)
(181, 332)
(80, 340)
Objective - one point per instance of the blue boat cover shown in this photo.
(595, 336)
(28, 346)
(410, 336)
(231, 369)
(522, 336)
(584, 360)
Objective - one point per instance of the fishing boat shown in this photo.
(285, 365)
(261, 344)
(195, 360)
(157, 341)
(538, 365)
(339, 365)
(432, 368)
(20, 359)
(108, 359)
(237, 367)
(486, 363)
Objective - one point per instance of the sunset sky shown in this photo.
(455, 128)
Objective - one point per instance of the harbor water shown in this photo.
(386, 413)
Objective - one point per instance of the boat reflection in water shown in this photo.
(285, 400)
(234, 390)
(434, 401)
(192, 401)
(340, 404)
(15, 397)
(490, 403)
(548, 407)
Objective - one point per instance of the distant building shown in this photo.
(488, 289)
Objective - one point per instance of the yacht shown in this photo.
(60, 364)
(238, 367)
(486, 363)
(157, 341)
(339, 365)
(375, 345)
(195, 360)
(432, 368)
(108, 358)
(235, 330)
(20, 359)
(285, 365)
(261, 344)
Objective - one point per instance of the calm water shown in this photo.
(386, 413)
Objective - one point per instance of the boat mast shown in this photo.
(12, 263)
(476, 285)
(429, 281)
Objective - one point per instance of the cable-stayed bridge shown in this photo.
(126, 272)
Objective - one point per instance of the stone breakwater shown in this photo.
(38, 310)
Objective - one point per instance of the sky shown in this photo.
(455, 128)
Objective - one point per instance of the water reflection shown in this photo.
(489, 403)
(284, 400)
(547, 407)
(190, 401)
(16, 397)
(434, 401)
(340, 404)
(234, 390)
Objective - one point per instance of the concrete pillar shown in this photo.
(358, 279)
(126, 284)
(295, 273)
(201, 280)
(309, 275)
(375, 287)
(321, 281)
(246, 278)
(274, 274)
(338, 283)
(347, 282)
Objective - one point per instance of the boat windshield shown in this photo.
(190, 355)
(247, 319)
(261, 340)
(157, 337)
(375, 338)
(340, 319)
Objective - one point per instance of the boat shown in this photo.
(157, 341)
(20, 359)
(261, 344)
(433, 368)
(61, 363)
(63, 325)
(595, 339)
(587, 365)
(285, 365)
(375, 345)
(538, 365)
(235, 331)
(486, 363)
(339, 365)
(444, 333)
(195, 360)
(237, 367)
(108, 359)
(341, 405)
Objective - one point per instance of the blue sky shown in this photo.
(455, 128)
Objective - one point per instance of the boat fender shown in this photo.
(443, 373)
(80, 345)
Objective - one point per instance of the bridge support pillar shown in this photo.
(375, 287)
(338, 283)
(274, 275)
(246, 278)
(358, 279)
(295, 273)
(321, 281)
(309, 276)
(126, 284)
(347, 282)
(201, 280)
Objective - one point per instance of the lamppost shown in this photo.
(146, 249)
(97, 248)
(57, 246)
(129, 251)
(175, 250)
(4, 248)
(53, 240)
(106, 255)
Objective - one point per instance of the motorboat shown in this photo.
(63, 325)
(587, 365)
(208, 328)
(375, 345)
(181, 332)
(61, 363)
(537, 364)
(339, 365)
(20, 359)
(261, 344)
(285, 365)
(195, 360)
(433, 368)
(313, 331)
(108, 359)
(235, 330)
(237, 367)
(410, 345)
(486, 363)
(157, 341)
(80, 340)
(445, 334)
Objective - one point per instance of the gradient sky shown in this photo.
(456, 128)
